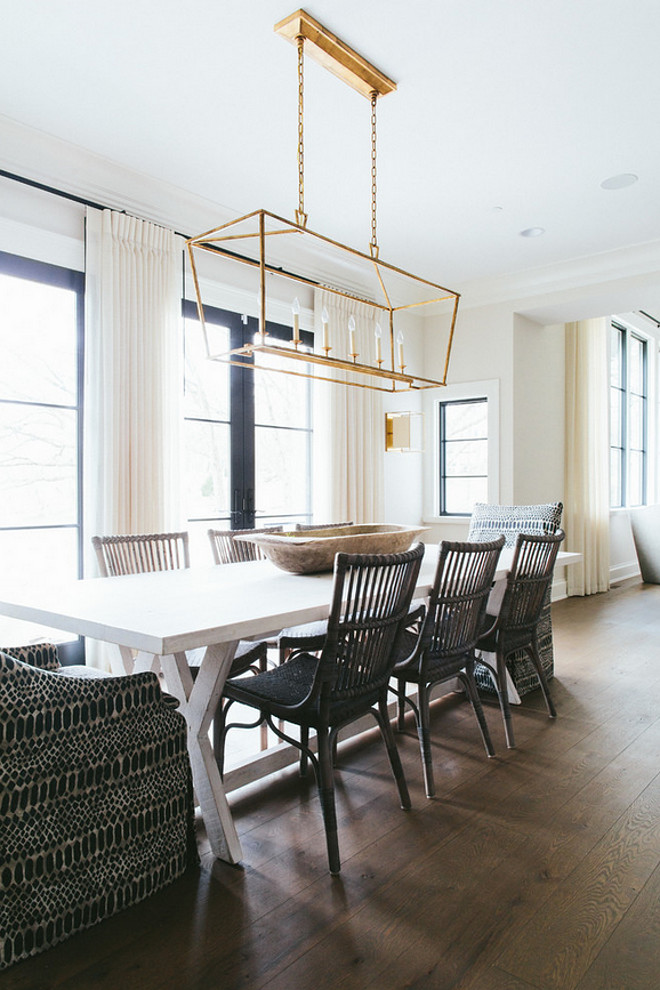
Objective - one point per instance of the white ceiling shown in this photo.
(509, 114)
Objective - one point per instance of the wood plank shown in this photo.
(630, 957)
(540, 868)
(561, 941)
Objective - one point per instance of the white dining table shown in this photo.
(167, 613)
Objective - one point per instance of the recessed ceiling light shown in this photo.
(620, 181)
(532, 232)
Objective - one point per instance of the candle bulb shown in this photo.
(399, 340)
(295, 309)
(378, 333)
(262, 329)
(351, 336)
(325, 320)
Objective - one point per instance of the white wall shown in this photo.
(538, 418)
(482, 351)
(528, 361)
(403, 477)
(492, 341)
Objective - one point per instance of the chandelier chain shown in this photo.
(301, 142)
(374, 238)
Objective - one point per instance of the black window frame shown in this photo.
(242, 423)
(625, 334)
(442, 451)
(47, 273)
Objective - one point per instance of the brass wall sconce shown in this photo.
(404, 432)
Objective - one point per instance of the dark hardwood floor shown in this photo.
(537, 869)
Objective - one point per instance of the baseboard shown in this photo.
(558, 590)
(623, 572)
(618, 574)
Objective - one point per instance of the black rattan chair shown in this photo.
(516, 626)
(369, 608)
(443, 648)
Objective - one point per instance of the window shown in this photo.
(628, 417)
(463, 455)
(41, 333)
(248, 435)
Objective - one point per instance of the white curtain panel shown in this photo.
(587, 486)
(133, 377)
(349, 427)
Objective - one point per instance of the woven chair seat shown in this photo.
(509, 641)
(248, 656)
(289, 684)
(309, 630)
(436, 669)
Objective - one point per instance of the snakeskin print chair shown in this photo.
(487, 522)
(95, 797)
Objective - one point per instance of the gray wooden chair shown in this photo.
(370, 600)
(226, 549)
(137, 554)
(146, 552)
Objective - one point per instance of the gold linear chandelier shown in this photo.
(281, 252)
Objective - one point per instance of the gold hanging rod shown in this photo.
(334, 54)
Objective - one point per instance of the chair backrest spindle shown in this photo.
(371, 598)
(226, 549)
(141, 553)
(458, 599)
(529, 581)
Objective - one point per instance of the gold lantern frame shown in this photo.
(275, 246)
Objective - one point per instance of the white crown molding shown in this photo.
(573, 274)
(43, 158)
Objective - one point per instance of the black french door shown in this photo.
(253, 430)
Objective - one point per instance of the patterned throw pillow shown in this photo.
(488, 521)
